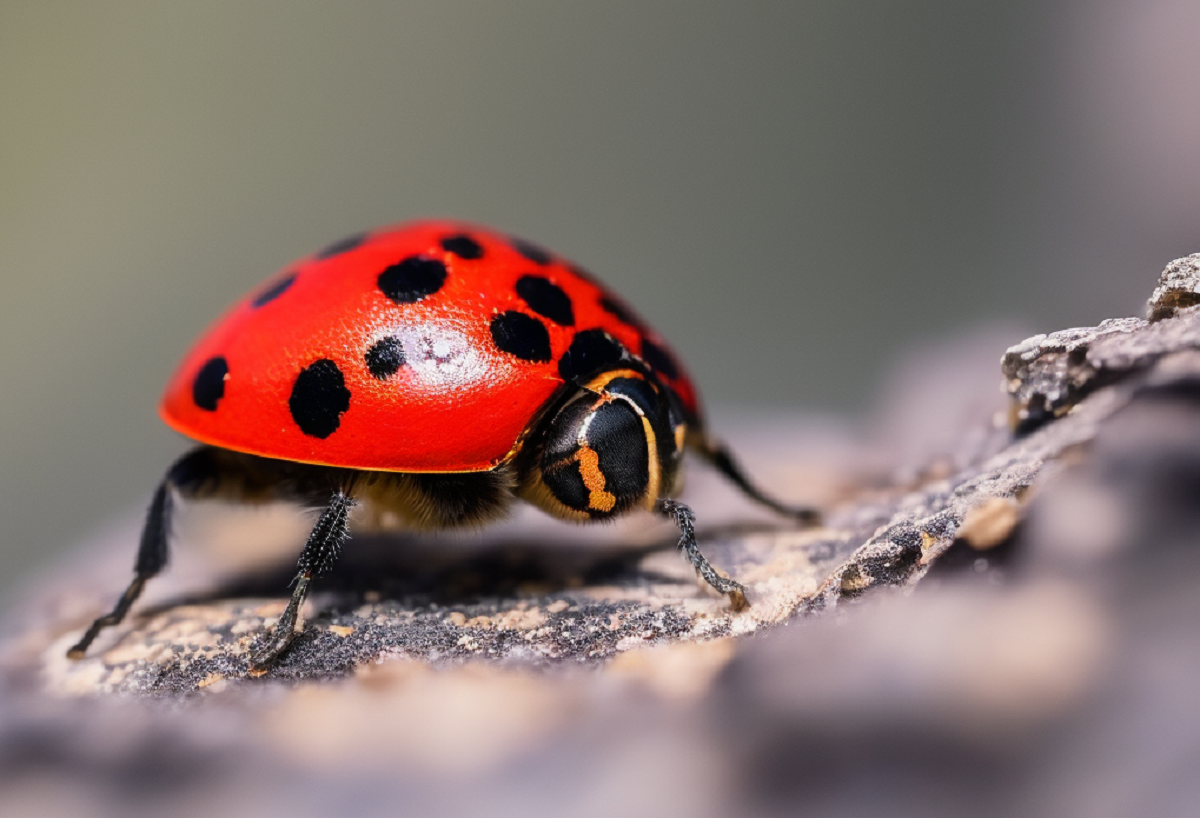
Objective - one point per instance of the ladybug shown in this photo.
(430, 372)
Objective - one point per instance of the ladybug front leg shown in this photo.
(717, 454)
(319, 554)
(610, 449)
(685, 518)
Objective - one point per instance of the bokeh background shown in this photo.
(795, 193)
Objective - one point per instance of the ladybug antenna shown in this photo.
(718, 454)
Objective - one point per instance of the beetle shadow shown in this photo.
(424, 570)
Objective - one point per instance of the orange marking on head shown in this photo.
(654, 466)
(598, 383)
(594, 481)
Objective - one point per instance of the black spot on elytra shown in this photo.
(209, 386)
(546, 299)
(319, 397)
(659, 359)
(462, 246)
(385, 357)
(342, 246)
(412, 279)
(592, 351)
(518, 334)
(622, 313)
(531, 251)
(273, 291)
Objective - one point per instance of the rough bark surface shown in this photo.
(1005, 627)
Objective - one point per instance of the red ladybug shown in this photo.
(434, 370)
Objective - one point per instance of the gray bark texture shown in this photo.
(998, 617)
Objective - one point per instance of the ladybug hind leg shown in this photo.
(209, 472)
(189, 475)
(151, 557)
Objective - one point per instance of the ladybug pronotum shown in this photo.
(436, 371)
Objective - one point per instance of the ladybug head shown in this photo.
(613, 444)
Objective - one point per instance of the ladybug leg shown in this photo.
(716, 453)
(192, 471)
(685, 519)
(319, 554)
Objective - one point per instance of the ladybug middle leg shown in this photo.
(320, 552)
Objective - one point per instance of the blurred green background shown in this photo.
(794, 192)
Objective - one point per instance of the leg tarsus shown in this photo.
(685, 519)
(716, 453)
(114, 617)
(284, 631)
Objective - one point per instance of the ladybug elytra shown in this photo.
(433, 371)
